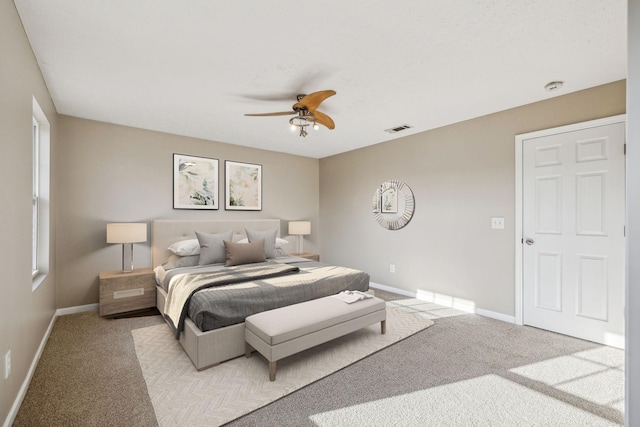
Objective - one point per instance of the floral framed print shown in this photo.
(195, 182)
(243, 186)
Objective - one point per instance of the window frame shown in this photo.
(41, 191)
(35, 223)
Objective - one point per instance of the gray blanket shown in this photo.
(228, 305)
(186, 285)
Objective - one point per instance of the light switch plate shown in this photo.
(497, 222)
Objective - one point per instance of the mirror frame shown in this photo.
(394, 220)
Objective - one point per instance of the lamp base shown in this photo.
(300, 243)
(127, 267)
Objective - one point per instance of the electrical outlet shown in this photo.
(392, 268)
(7, 364)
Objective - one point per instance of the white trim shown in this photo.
(13, 412)
(519, 141)
(495, 315)
(43, 174)
(392, 289)
(445, 301)
(518, 233)
(77, 309)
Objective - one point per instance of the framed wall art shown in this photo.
(195, 182)
(389, 200)
(243, 186)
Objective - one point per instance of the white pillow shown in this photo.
(279, 242)
(186, 247)
(177, 261)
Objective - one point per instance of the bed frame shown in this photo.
(205, 349)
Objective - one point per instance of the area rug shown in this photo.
(183, 396)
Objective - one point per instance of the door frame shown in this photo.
(519, 141)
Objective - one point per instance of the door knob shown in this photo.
(529, 241)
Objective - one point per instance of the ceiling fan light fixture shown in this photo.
(302, 120)
(306, 112)
(299, 121)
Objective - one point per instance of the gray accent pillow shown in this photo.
(177, 261)
(212, 247)
(269, 237)
(244, 253)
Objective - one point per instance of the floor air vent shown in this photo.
(398, 128)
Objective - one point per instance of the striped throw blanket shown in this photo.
(182, 289)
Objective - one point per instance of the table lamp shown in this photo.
(299, 228)
(127, 233)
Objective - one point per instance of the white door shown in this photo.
(573, 233)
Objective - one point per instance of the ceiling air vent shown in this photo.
(398, 128)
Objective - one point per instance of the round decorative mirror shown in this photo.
(393, 204)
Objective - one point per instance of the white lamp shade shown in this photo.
(300, 228)
(127, 232)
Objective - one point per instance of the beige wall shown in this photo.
(24, 314)
(110, 173)
(461, 176)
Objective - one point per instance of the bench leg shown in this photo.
(272, 371)
(247, 350)
(383, 327)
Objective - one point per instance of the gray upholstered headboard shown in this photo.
(164, 232)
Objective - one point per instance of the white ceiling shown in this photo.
(194, 68)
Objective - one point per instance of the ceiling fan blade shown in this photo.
(270, 97)
(296, 86)
(324, 120)
(311, 101)
(281, 113)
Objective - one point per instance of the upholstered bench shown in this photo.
(288, 330)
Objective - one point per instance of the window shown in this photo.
(41, 191)
(36, 195)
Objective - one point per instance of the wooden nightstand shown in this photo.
(307, 255)
(121, 292)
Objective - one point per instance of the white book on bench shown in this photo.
(351, 296)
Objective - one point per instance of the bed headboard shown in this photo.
(164, 232)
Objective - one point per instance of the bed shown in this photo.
(211, 347)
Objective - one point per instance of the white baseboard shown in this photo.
(496, 315)
(27, 381)
(34, 364)
(392, 289)
(76, 309)
(447, 301)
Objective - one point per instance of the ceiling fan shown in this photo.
(306, 112)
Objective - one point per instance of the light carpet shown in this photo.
(183, 396)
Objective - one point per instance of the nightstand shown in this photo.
(121, 292)
(307, 255)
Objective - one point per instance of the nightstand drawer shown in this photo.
(121, 292)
